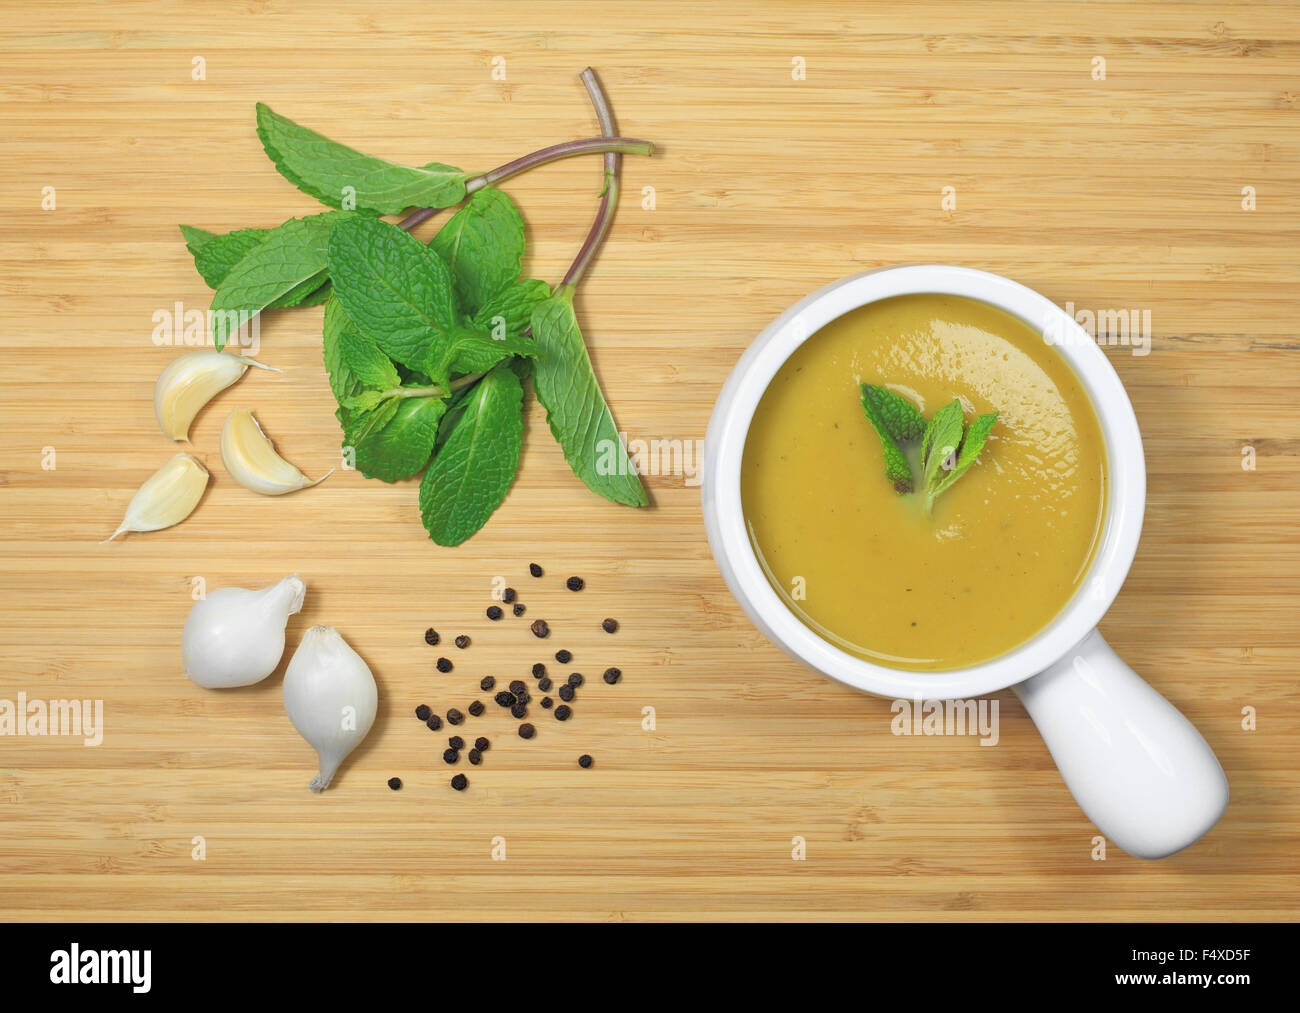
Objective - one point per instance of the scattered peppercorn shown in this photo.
(487, 682)
(422, 712)
(504, 699)
(460, 782)
(524, 697)
(534, 569)
(456, 742)
(444, 665)
(494, 612)
(574, 584)
(563, 712)
(539, 670)
(517, 686)
(566, 693)
(474, 757)
(508, 595)
(455, 717)
(610, 625)
(540, 630)
(519, 608)
(462, 641)
(395, 783)
(547, 703)
(476, 708)
(544, 683)
(576, 679)
(585, 760)
(527, 731)
(431, 637)
(434, 722)
(563, 656)
(481, 743)
(450, 756)
(518, 711)
(612, 675)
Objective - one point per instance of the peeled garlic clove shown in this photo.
(167, 496)
(331, 698)
(192, 380)
(235, 637)
(252, 461)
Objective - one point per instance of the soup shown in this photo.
(1005, 546)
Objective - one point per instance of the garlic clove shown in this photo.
(167, 496)
(251, 459)
(331, 697)
(192, 380)
(235, 637)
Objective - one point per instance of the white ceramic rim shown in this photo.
(1125, 480)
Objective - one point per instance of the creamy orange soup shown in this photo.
(1006, 546)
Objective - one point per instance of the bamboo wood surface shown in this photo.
(1121, 193)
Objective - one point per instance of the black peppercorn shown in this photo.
(519, 608)
(523, 697)
(481, 743)
(563, 712)
(444, 665)
(504, 699)
(539, 670)
(460, 782)
(517, 686)
(547, 703)
(454, 717)
(574, 584)
(566, 693)
(431, 637)
(462, 641)
(422, 712)
(434, 722)
(612, 675)
(610, 625)
(494, 612)
(527, 731)
(563, 656)
(544, 683)
(584, 760)
(518, 711)
(456, 742)
(534, 569)
(508, 595)
(576, 679)
(474, 757)
(540, 630)
(476, 708)
(486, 683)
(395, 783)
(450, 756)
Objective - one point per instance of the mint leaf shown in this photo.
(971, 445)
(576, 410)
(483, 244)
(394, 446)
(470, 351)
(471, 473)
(336, 324)
(394, 288)
(283, 269)
(326, 170)
(939, 443)
(215, 254)
(891, 421)
(900, 416)
(510, 311)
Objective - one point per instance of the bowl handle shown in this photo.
(1138, 769)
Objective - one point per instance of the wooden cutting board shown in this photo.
(799, 143)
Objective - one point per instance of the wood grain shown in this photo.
(1116, 193)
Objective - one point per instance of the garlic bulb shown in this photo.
(192, 380)
(331, 698)
(252, 461)
(235, 637)
(167, 496)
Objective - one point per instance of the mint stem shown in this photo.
(609, 195)
(435, 390)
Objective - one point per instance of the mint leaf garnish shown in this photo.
(472, 471)
(894, 419)
(393, 445)
(512, 308)
(971, 445)
(332, 172)
(470, 351)
(483, 244)
(576, 410)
